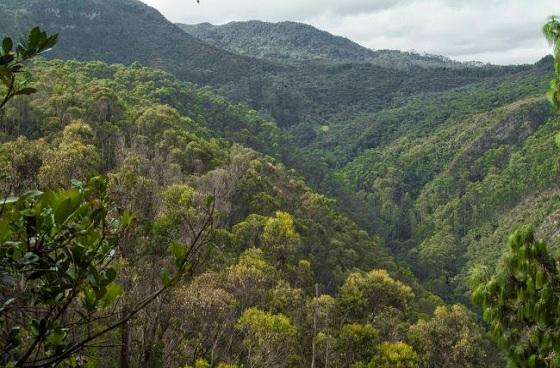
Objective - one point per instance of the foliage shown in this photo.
(57, 278)
(364, 295)
(451, 338)
(269, 338)
(12, 72)
(520, 302)
(432, 157)
(356, 343)
(551, 31)
(297, 43)
(397, 355)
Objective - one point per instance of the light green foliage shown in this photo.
(520, 302)
(451, 338)
(355, 343)
(279, 237)
(269, 338)
(396, 355)
(166, 146)
(249, 277)
(365, 295)
(74, 158)
(20, 161)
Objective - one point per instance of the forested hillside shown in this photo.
(125, 31)
(266, 195)
(310, 94)
(298, 43)
(273, 237)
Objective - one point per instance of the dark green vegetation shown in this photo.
(124, 31)
(297, 43)
(551, 31)
(12, 58)
(308, 95)
(272, 238)
(521, 302)
(383, 177)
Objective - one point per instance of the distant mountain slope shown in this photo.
(125, 31)
(285, 41)
(447, 177)
(292, 42)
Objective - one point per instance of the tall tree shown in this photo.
(521, 302)
(56, 256)
(551, 31)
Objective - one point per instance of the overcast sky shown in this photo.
(494, 31)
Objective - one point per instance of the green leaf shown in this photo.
(7, 45)
(532, 361)
(179, 251)
(165, 277)
(56, 336)
(113, 292)
(126, 219)
(35, 327)
(108, 276)
(34, 38)
(25, 91)
(9, 200)
(210, 200)
(48, 43)
(6, 59)
(67, 206)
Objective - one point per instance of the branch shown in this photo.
(195, 245)
(9, 93)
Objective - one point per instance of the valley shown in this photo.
(353, 194)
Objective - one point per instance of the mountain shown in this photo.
(305, 95)
(168, 149)
(380, 137)
(125, 31)
(284, 41)
(294, 43)
(447, 177)
(379, 179)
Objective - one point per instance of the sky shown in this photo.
(491, 31)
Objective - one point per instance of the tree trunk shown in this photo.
(314, 341)
(125, 338)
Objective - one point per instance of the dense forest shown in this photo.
(269, 195)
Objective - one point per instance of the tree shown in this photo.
(56, 251)
(365, 295)
(12, 73)
(356, 343)
(521, 302)
(551, 31)
(451, 338)
(75, 158)
(55, 254)
(269, 338)
(279, 237)
(395, 355)
(247, 279)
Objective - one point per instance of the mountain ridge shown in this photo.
(94, 29)
(294, 42)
